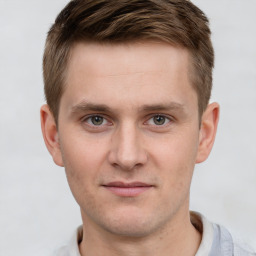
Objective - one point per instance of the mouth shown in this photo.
(124, 189)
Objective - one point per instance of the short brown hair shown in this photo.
(177, 22)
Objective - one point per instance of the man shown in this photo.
(127, 85)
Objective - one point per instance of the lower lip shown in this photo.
(128, 192)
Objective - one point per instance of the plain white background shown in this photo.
(37, 210)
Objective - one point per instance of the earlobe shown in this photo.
(50, 134)
(208, 131)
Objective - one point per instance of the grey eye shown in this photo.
(159, 120)
(97, 120)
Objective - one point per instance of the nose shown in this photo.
(127, 148)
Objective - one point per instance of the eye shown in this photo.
(96, 120)
(159, 120)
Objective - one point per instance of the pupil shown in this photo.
(97, 120)
(159, 120)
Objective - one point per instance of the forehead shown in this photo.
(140, 56)
(136, 73)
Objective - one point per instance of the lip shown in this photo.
(130, 189)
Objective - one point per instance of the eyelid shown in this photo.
(109, 123)
(168, 117)
(85, 118)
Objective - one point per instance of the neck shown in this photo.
(176, 238)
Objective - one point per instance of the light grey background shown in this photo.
(37, 210)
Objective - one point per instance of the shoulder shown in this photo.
(226, 243)
(217, 240)
(241, 248)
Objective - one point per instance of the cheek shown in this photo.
(82, 162)
(83, 158)
(175, 148)
(175, 158)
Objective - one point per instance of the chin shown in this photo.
(129, 229)
(132, 224)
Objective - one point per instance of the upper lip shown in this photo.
(121, 184)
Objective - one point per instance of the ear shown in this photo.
(209, 123)
(50, 134)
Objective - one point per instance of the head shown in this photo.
(127, 83)
(176, 22)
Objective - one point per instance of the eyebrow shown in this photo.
(88, 106)
(163, 107)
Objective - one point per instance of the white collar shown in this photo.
(198, 220)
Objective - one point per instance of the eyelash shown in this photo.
(87, 118)
(167, 120)
(106, 122)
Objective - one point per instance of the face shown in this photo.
(128, 135)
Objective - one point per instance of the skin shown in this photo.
(129, 114)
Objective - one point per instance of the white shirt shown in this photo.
(216, 241)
